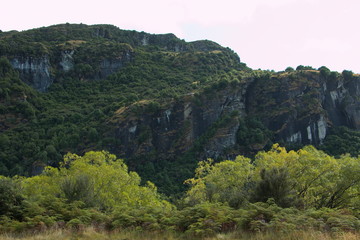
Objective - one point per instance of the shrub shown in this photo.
(324, 71)
(348, 75)
(11, 200)
(275, 183)
(289, 69)
(206, 219)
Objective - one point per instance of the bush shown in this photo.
(324, 71)
(143, 218)
(206, 219)
(11, 200)
(289, 69)
(348, 75)
(275, 183)
(301, 67)
(76, 224)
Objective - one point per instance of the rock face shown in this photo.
(109, 66)
(67, 60)
(301, 108)
(175, 129)
(34, 71)
(342, 102)
(298, 109)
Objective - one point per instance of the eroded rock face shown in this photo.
(109, 66)
(67, 60)
(299, 111)
(301, 108)
(34, 71)
(175, 129)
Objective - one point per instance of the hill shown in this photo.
(161, 103)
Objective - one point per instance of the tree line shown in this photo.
(278, 189)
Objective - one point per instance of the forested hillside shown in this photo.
(159, 102)
(72, 62)
(164, 106)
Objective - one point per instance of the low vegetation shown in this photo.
(91, 233)
(279, 193)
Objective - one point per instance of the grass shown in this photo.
(91, 234)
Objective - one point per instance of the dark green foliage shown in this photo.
(79, 188)
(152, 219)
(252, 132)
(205, 219)
(5, 67)
(342, 140)
(348, 75)
(11, 200)
(334, 76)
(275, 184)
(324, 71)
(301, 67)
(289, 69)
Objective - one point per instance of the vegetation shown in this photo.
(307, 178)
(342, 140)
(91, 233)
(38, 129)
(280, 192)
(56, 180)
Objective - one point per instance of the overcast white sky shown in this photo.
(266, 34)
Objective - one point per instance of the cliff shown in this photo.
(174, 129)
(298, 108)
(42, 55)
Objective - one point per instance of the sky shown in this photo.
(265, 34)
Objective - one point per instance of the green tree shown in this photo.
(275, 183)
(347, 74)
(319, 180)
(222, 182)
(289, 69)
(5, 67)
(11, 200)
(302, 67)
(324, 71)
(97, 178)
(79, 188)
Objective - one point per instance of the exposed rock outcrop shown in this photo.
(34, 71)
(176, 128)
(67, 60)
(109, 66)
(299, 108)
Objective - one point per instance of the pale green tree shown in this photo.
(98, 179)
(221, 182)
